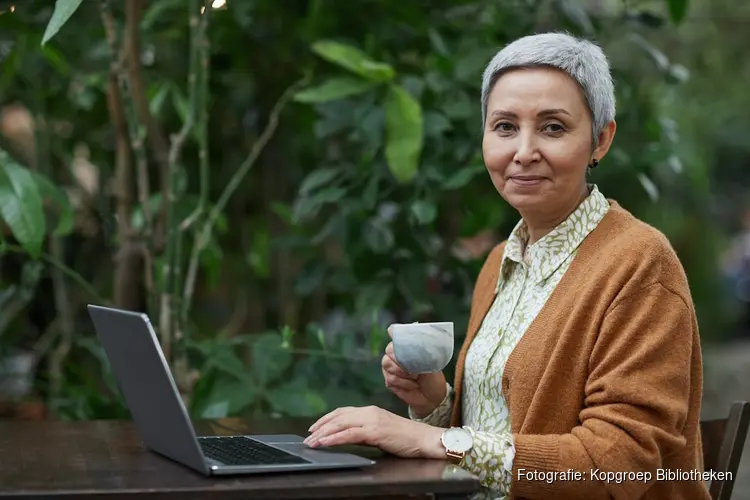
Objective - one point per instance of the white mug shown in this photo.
(422, 347)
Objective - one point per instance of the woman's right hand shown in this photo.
(423, 393)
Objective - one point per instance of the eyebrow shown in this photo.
(544, 112)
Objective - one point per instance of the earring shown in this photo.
(594, 163)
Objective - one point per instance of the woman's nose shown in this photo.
(527, 151)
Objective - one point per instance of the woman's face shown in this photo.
(537, 141)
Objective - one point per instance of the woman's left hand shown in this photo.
(374, 426)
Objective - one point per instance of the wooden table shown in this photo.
(106, 459)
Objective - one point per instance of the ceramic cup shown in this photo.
(422, 347)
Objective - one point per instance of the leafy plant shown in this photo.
(319, 166)
(22, 205)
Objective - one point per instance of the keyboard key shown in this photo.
(243, 451)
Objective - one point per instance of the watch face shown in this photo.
(457, 439)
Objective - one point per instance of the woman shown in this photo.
(580, 376)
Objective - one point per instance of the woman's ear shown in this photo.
(605, 141)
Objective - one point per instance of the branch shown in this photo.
(66, 324)
(123, 159)
(156, 140)
(199, 101)
(132, 87)
(172, 268)
(133, 15)
(137, 130)
(204, 235)
(72, 274)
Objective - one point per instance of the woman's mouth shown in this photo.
(527, 180)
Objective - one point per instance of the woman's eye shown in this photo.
(504, 127)
(554, 128)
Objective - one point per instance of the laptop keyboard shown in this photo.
(243, 451)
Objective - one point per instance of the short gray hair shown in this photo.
(583, 60)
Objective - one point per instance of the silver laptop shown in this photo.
(160, 416)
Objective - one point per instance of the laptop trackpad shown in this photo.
(333, 454)
(294, 444)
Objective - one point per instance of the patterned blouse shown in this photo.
(525, 283)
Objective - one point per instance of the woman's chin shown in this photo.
(525, 200)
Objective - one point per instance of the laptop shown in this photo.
(163, 422)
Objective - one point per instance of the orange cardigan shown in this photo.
(608, 377)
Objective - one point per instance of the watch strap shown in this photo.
(454, 457)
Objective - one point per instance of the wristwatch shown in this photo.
(457, 441)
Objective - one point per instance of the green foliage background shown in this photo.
(367, 204)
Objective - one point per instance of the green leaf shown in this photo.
(223, 359)
(660, 60)
(211, 259)
(678, 74)
(677, 10)
(378, 236)
(424, 211)
(462, 177)
(354, 60)
(318, 178)
(437, 42)
(287, 337)
(373, 297)
(310, 279)
(576, 14)
(675, 164)
(284, 212)
(333, 89)
(307, 207)
(436, 124)
(404, 134)
(294, 399)
(320, 336)
(649, 186)
(216, 410)
(181, 104)
(157, 9)
(228, 398)
(156, 103)
(47, 189)
(64, 9)
(55, 58)
(259, 255)
(370, 195)
(21, 205)
(270, 359)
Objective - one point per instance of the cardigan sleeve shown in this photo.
(441, 415)
(636, 403)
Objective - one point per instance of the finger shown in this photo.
(328, 417)
(342, 421)
(389, 350)
(390, 332)
(332, 427)
(351, 435)
(354, 417)
(395, 369)
(391, 355)
(402, 394)
(401, 383)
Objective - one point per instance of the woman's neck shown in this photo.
(539, 225)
